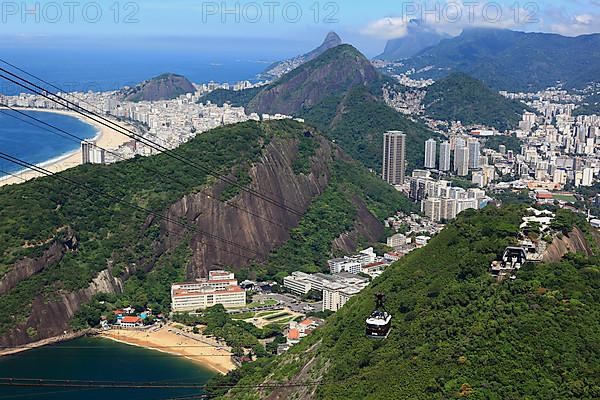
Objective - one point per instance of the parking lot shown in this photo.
(291, 302)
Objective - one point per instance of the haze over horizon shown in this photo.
(284, 27)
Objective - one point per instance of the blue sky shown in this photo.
(285, 26)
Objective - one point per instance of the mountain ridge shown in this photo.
(418, 37)
(459, 97)
(456, 333)
(513, 60)
(278, 69)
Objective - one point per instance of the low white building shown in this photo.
(205, 297)
(220, 288)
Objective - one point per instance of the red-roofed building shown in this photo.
(131, 322)
(293, 336)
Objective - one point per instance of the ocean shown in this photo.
(100, 359)
(111, 69)
(35, 144)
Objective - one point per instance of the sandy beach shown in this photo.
(170, 340)
(106, 138)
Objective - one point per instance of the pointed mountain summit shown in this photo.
(332, 73)
(280, 68)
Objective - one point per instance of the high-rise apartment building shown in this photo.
(91, 154)
(474, 153)
(461, 161)
(394, 157)
(445, 157)
(430, 153)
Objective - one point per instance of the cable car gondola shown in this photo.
(380, 321)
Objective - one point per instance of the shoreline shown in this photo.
(214, 357)
(45, 342)
(105, 137)
(201, 352)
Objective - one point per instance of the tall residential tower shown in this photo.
(430, 147)
(445, 157)
(394, 157)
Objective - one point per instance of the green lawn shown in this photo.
(246, 315)
(569, 198)
(276, 315)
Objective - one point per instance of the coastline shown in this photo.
(106, 138)
(173, 341)
(45, 342)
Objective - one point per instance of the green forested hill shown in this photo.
(456, 333)
(91, 233)
(458, 97)
(357, 121)
(237, 98)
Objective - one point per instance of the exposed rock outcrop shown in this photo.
(162, 87)
(27, 267)
(366, 227)
(272, 175)
(574, 242)
(51, 318)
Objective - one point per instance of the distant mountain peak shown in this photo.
(280, 68)
(166, 86)
(332, 38)
(419, 36)
(333, 72)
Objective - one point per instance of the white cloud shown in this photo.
(387, 28)
(584, 19)
(577, 25)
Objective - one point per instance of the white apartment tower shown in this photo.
(445, 157)
(461, 161)
(430, 153)
(394, 157)
(474, 152)
(91, 154)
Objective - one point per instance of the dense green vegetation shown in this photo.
(456, 333)
(38, 213)
(511, 142)
(591, 106)
(110, 236)
(357, 122)
(237, 98)
(458, 97)
(307, 148)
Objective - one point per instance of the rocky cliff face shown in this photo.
(250, 223)
(272, 175)
(574, 242)
(51, 318)
(366, 227)
(27, 267)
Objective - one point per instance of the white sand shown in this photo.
(107, 138)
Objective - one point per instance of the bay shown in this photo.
(100, 359)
